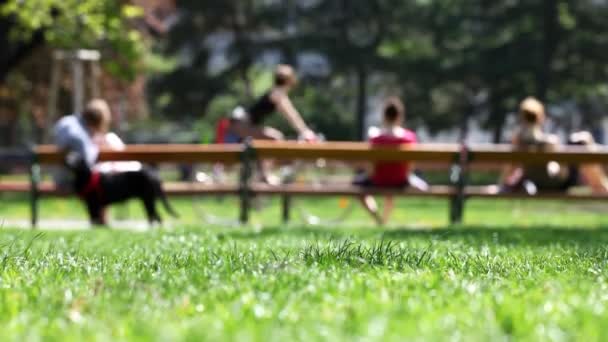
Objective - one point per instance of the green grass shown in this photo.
(523, 270)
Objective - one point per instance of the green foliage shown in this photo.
(75, 24)
(436, 54)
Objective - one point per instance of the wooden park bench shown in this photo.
(456, 160)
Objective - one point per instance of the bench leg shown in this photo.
(245, 207)
(248, 160)
(286, 208)
(459, 177)
(456, 209)
(34, 193)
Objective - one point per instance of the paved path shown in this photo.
(67, 225)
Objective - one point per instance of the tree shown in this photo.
(70, 24)
(30, 30)
(450, 60)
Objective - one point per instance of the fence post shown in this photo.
(34, 169)
(247, 164)
(459, 177)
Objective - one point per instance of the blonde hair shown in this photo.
(532, 111)
(97, 114)
(285, 75)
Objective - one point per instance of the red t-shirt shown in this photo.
(221, 129)
(392, 173)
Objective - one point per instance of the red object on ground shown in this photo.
(221, 129)
(392, 173)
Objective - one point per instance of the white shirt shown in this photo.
(113, 142)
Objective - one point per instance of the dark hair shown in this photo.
(394, 110)
(529, 117)
(284, 75)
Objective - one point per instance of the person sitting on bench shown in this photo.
(389, 174)
(85, 134)
(76, 132)
(551, 176)
(111, 141)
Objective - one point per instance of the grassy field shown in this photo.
(523, 270)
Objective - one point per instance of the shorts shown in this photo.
(547, 183)
(365, 181)
(232, 138)
(562, 185)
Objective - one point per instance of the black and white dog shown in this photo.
(98, 190)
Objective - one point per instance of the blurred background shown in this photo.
(172, 68)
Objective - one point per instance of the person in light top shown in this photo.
(389, 174)
(111, 141)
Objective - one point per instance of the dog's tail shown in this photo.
(163, 197)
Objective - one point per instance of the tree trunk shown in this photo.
(241, 26)
(498, 118)
(549, 45)
(361, 101)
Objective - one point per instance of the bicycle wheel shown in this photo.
(222, 209)
(215, 209)
(314, 211)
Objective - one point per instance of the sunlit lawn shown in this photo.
(530, 270)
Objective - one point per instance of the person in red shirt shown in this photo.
(389, 174)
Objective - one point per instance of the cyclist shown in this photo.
(250, 122)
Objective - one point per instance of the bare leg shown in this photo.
(104, 214)
(369, 203)
(595, 177)
(389, 205)
(593, 174)
(245, 130)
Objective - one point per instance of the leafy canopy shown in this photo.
(75, 24)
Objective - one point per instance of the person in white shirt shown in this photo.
(111, 141)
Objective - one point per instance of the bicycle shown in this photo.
(318, 173)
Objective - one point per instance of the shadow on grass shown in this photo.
(475, 235)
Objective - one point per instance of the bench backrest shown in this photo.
(425, 153)
(224, 153)
(340, 151)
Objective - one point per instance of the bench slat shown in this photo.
(307, 190)
(187, 154)
(445, 153)
(193, 189)
(343, 151)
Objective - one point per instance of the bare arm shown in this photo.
(288, 110)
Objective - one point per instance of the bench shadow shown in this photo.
(473, 235)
